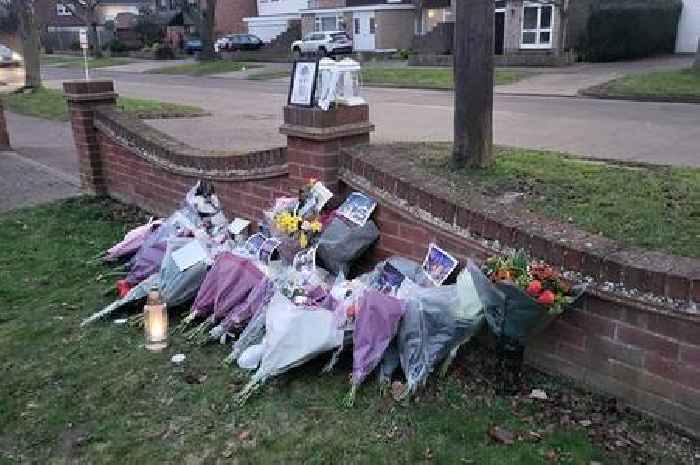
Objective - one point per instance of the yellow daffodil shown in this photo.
(303, 240)
(316, 226)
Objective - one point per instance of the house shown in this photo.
(230, 14)
(274, 17)
(688, 27)
(375, 26)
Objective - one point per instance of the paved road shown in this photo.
(246, 115)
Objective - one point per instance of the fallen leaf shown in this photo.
(501, 435)
(551, 455)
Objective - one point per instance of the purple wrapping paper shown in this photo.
(146, 262)
(258, 297)
(232, 291)
(375, 326)
(132, 242)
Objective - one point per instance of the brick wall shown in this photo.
(644, 355)
(230, 14)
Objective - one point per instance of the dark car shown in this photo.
(235, 42)
(192, 45)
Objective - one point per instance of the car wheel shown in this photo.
(297, 52)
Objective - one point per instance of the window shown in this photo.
(62, 10)
(357, 25)
(328, 23)
(537, 26)
(372, 26)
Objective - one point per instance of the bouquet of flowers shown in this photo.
(534, 294)
(297, 221)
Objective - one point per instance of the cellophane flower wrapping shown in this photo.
(132, 242)
(342, 242)
(437, 322)
(294, 334)
(179, 286)
(376, 324)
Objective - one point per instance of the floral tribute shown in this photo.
(537, 279)
(300, 219)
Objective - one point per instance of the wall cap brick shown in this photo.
(175, 157)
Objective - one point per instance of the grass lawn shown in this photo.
(95, 396)
(269, 74)
(430, 78)
(204, 68)
(652, 207)
(78, 62)
(684, 83)
(50, 104)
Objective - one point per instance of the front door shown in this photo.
(364, 30)
(500, 32)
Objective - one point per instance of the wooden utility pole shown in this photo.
(474, 81)
(696, 65)
(28, 30)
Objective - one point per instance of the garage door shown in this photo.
(689, 27)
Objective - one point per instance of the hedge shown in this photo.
(630, 29)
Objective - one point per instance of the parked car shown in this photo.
(192, 45)
(234, 42)
(323, 44)
(9, 57)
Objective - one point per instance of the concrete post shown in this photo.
(315, 139)
(4, 136)
(83, 98)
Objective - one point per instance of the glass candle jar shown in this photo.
(155, 322)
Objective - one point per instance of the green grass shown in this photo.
(652, 207)
(78, 62)
(59, 59)
(269, 74)
(204, 68)
(60, 381)
(428, 78)
(684, 83)
(50, 104)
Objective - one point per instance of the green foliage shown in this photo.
(653, 207)
(163, 52)
(117, 46)
(622, 30)
(685, 83)
(150, 31)
(204, 68)
(50, 104)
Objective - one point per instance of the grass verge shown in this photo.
(426, 78)
(662, 84)
(78, 62)
(270, 74)
(204, 68)
(50, 104)
(654, 207)
(94, 395)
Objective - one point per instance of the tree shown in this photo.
(696, 65)
(28, 30)
(203, 14)
(86, 11)
(474, 81)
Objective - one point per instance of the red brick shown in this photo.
(566, 332)
(413, 234)
(603, 349)
(647, 341)
(675, 327)
(591, 324)
(688, 376)
(661, 366)
(690, 355)
(396, 245)
(616, 311)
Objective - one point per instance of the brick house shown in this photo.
(230, 14)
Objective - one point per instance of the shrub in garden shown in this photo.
(618, 30)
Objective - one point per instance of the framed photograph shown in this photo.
(357, 208)
(438, 264)
(303, 84)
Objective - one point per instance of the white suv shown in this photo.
(323, 44)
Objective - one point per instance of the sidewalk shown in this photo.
(42, 165)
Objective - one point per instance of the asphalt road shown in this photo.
(246, 115)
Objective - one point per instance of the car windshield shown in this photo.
(342, 37)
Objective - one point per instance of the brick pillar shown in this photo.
(4, 136)
(83, 97)
(316, 137)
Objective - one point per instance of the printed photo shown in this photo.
(390, 279)
(357, 208)
(438, 264)
(317, 199)
(305, 260)
(303, 83)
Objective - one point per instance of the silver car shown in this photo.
(323, 44)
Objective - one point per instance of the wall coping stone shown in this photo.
(173, 156)
(325, 134)
(397, 182)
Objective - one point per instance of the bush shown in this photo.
(117, 46)
(623, 30)
(75, 46)
(163, 52)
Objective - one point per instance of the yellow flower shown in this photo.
(303, 240)
(316, 226)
